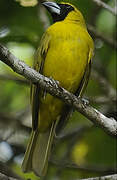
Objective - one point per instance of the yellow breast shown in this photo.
(67, 55)
(65, 62)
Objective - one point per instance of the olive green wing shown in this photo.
(39, 60)
(85, 79)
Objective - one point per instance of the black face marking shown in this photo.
(64, 10)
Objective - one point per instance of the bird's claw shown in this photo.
(85, 101)
(55, 82)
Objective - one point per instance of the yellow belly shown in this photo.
(65, 64)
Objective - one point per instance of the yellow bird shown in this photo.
(64, 54)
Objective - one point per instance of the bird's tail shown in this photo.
(38, 150)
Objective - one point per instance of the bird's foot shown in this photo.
(55, 82)
(85, 101)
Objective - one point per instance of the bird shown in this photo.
(65, 55)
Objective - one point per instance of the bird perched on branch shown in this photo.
(64, 54)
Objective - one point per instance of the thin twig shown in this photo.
(16, 122)
(102, 36)
(106, 6)
(8, 77)
(102, 100)
(51, 86)
(73, 132)
(43, 17)
(4, 177)
(94, 168)
(6, 171)
(20, 38)
(109, 91)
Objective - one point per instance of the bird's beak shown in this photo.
(52, 7)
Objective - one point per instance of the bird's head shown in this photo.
(64, 11)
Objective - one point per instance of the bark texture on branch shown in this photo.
(51, 86)
(106, 6)
(110, 177)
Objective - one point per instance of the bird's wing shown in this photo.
(38, 66)
(85, 79)
(67, 111)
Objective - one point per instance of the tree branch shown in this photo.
(4, 177)
(110, 41)
(52, 87)
(17, 38)
(104, 84)
(88, 168)
(9, 77)
(6, 173)
(102, 100)
(43, 17)
(106, 6)
(110, 177)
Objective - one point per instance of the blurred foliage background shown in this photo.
(82, 150)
